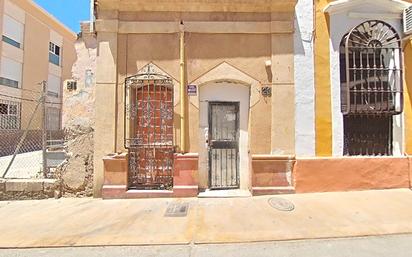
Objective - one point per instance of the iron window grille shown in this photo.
(9, 115)
(371, 87)
(371, 70)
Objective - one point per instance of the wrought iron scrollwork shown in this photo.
(371, 87)
(149, 129)
(371, 70)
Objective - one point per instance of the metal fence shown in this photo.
(30, 132)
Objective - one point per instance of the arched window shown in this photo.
(371, 87)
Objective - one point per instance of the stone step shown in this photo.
(256, 191)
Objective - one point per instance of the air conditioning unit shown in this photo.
(407, 20)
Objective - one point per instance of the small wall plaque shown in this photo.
(192, 90)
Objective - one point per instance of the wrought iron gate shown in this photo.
(223, 145)
(369, 135)
(149, 129)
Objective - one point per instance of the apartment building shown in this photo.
(35, 47)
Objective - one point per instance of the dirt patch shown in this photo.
(75, 175)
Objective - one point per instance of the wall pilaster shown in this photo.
(283, 94)
(105, 105)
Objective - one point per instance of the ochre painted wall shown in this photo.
(134, 52)
(248, 53)
(68, 59)
(408, 97)
(242, 53)
(322, 83)
(36, 54)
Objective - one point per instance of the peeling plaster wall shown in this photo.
(78, 105)
(304, 80)
(76, 174)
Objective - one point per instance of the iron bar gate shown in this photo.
(149, 129)
(224, 145)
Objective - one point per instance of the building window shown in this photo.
(53, 119)
(371, 87)
(10, 72)
(9, 82)
(13, 31)
(54, 53)
(9, 115)
(11, 41)
(53, 86)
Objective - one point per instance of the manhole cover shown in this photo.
(177, 210)
(281, 204)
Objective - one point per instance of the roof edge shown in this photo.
(340, 5)
(49, 15)
(199, 5)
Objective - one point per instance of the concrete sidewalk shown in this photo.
(382, 246)
(26, 165)
(93, 222)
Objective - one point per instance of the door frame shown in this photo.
(210, 124)
(140, 145)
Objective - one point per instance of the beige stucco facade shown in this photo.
(232, 45)
(291, 140)
(30, 51)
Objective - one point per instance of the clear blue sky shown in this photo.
(69, 12)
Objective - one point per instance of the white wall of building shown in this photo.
(304, 80)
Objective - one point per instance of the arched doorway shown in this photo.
(224, 129)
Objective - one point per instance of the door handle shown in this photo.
(206, 135)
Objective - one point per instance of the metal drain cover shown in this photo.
(281, 204)
(177, 210)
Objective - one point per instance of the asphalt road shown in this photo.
(386, 246)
